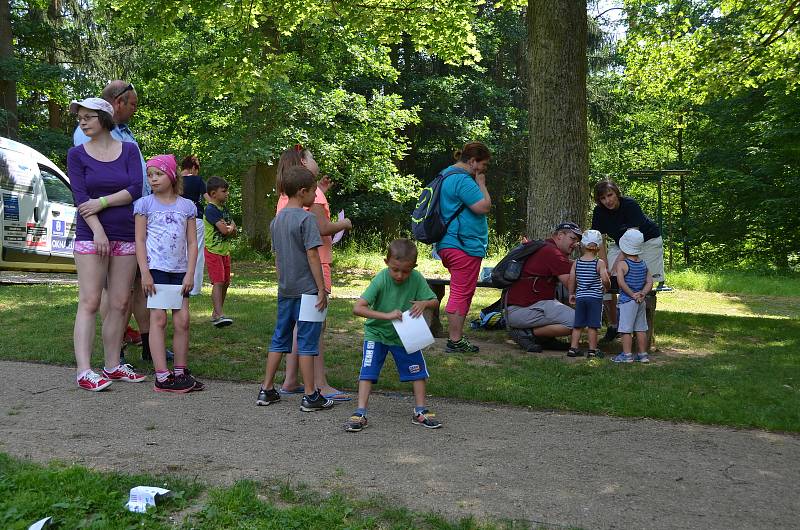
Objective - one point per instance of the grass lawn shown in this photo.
(78, 498)
(725, 358)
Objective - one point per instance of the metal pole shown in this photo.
(686, 255)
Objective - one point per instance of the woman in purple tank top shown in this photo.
(106, 177)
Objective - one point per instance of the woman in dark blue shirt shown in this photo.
(614, 215)
(194, 189)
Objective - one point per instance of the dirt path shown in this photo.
(490, 461)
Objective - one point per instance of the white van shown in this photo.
(37, 213)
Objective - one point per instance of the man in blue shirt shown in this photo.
(124, 99)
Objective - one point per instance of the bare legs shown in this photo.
(576, 337)
(180, 336)
(218, 293)
(94, 273)
(641, 341)
(306, 363)
(290, 381)
(455, 326)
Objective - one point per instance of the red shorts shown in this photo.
(464, 271)
(219, 267)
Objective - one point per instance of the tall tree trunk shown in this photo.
(558, 144)
(259, 200)
(8, 87)
(53, 108)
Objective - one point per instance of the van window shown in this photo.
(56, 189)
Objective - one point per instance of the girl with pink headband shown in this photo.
(166, 249)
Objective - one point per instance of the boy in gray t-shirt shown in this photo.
(295, 241)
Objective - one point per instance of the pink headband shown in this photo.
(165, 163)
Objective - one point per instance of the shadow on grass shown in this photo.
(748, 375)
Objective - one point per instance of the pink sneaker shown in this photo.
(124, 373)
(93, 382)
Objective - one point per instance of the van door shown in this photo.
(24, 232)
(59, 215)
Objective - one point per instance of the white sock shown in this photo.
(82, 374)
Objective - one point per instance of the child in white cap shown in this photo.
(635, 282)
(588, 277)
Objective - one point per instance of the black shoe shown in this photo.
(462, 345)
(315, 402)
(595, 353)
(177, 385)
(550, 343)
(265, 397)
(611, 334)
(198, 386)
(525, 339)
(574, 352)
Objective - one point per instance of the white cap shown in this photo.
(631, 242)
(592, 236)
(94, 104)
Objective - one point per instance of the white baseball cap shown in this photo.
(92, 103)
(631, 242)
(592, 236)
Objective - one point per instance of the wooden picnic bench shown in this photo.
(438, 285)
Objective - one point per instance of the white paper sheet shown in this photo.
(338, 235)
(308, 310)
(414, 333)
(143, 496)
(166, 297)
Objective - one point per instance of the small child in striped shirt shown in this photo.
(635, 281)
(587, 279)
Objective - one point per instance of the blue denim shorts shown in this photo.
(307, 332)
(588, 313)
(410, 366)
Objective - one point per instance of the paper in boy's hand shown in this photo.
(166, 297)
(338, 235)
(414, 333)
(309, 311)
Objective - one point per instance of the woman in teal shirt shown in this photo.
(464, 245)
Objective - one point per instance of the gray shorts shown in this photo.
(544, 313)
(632, 317)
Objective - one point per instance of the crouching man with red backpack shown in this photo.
(533, 313)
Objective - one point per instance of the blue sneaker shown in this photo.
(642, 358)
(623, 358)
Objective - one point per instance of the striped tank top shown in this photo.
(588, 283)
(635, 278)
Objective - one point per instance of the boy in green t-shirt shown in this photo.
(219, 231)
(395, 289)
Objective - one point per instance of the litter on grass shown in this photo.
(143, 496)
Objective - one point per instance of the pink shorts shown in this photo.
(219, 267)
(464, 271)
(116, 248)
(326, 274)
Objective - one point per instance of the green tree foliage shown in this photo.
(689, 51)
(59, 51)
(720, 74)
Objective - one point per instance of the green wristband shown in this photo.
(103, 202)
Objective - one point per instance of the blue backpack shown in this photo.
(427, 223)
